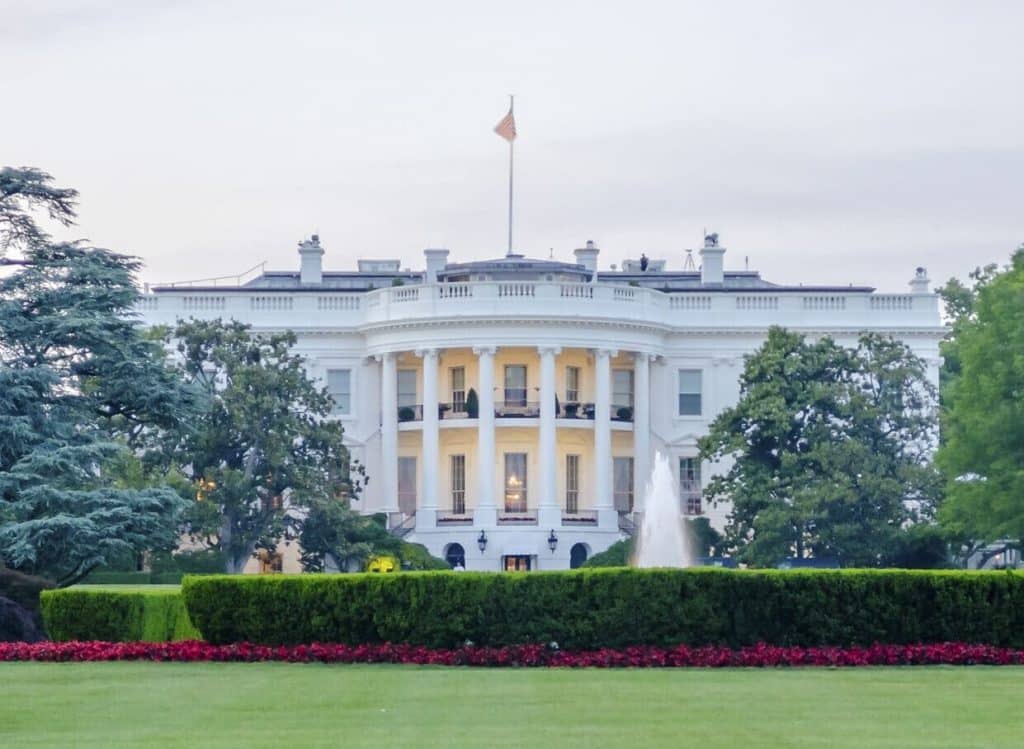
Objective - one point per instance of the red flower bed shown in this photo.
(757, 656)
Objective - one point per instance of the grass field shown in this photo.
(292, 705)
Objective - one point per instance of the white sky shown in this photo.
(831, 142)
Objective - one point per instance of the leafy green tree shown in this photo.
(263, 455)
(982, 456)
(829, 450)
(79, 386)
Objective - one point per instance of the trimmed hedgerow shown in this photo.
(116, 616)
(613, 608)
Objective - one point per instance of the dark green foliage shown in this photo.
(415, 557)
(116, 616)
(263, 446)
(830, 449)
(23, 589)
(80, 385)
(100, 577)
(202, 561)
(472, 404)
(982, 455)
(616, 555)
(585, 609)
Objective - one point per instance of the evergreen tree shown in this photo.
(79, 385)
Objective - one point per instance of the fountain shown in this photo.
(663, 540)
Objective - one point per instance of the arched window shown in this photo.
(455, 555)
(577, 555)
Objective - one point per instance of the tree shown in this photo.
(263, 455)
(982, 457)
(829, 447)
(79, 385)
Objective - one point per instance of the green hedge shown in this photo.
(613, 607)
(109, 577)
(116, 615)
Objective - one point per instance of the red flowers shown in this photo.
(759, 656)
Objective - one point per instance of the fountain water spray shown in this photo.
(663, 539)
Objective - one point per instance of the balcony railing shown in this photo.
(580, 517)
(446, 517)
(411, 413)
(517, 410)
(519, 517)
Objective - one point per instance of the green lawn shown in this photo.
(298, 706)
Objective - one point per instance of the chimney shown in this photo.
(711, 261)
(311, 267)
(587, 256)
(436, 261)
(919, 284)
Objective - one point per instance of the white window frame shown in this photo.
(458, 394)
(458, 483)
(572, 484)
(573, 377)
(690, 489)
(680, 392)
(621, 398)
(342, 398)
(407, 398)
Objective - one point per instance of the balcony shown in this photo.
(517, 409)
(517, 517)
(579, 517)
(447, 517)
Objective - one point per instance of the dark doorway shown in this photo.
(455, 555)
(577, 556)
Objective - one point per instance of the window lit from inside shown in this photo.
(515, 385)
(515, 482)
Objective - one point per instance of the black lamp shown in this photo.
(482, 541)
(552, 541)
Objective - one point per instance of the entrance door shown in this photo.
(517, 563)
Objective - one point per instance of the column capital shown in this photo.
(548, 349)
(609, 352)
(424, 352)
(642, 356)
(386, 356)
(485, 350)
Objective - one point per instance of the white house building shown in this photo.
(508, 411)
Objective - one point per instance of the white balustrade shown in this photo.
(272, 303)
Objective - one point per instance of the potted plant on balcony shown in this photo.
(571, 410)
(472, 404)
(625, 413)
(406, 413)
(557, 406)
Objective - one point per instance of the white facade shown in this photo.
(633, 361)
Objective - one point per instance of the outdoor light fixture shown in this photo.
(552, 541)
(482, 541)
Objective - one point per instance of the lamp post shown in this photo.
(552, 541)
(482, 541)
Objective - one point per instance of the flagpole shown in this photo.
(511, 162)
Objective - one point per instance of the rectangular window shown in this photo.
(572, 483)
(459, 484)
(339, 386)
(407, 387)
(407, 485)
(689, 485)
(622, 483)
(572, 384)
(515, 482)
(457, 376)
(622, 388)
(515, 384)
(689, 392)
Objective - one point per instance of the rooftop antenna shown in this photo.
(688, 264)
(551, 253)
(746, 262)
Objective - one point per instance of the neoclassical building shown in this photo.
(508, 411)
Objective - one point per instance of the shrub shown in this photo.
(588, 609)
(116, 615)
(472, 404)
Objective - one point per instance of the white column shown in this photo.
(548, 444)
(431, 466)
(486, 513)
(603, 497)
(641, 428)
(389, 432)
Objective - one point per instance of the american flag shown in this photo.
(507, 127)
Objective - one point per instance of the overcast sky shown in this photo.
(830, 142)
